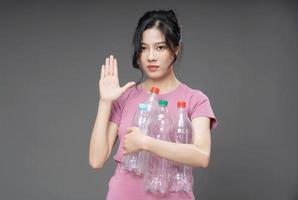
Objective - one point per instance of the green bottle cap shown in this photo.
(163, 103)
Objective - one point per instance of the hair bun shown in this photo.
(171, 14)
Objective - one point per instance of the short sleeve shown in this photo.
(119, 104)
(116, 111)
(200, 107)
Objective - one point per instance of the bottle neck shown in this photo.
(163, 108)
(143, 111)
(152, 96)
(181, 112)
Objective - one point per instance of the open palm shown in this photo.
(109, 87)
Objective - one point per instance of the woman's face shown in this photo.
(155, 57)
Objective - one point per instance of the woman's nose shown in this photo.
(151, 55)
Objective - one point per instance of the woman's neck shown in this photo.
(165, 85)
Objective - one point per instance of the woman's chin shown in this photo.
(155, 76)
(151, 74)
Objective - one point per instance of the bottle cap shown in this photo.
(155, 90)
(181, 104)
(143, 106)
(163, 103)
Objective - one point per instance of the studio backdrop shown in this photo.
(242, 54)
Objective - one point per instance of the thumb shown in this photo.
(127, 85)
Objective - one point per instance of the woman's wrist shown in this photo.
(105, 102)
(104, 106)
(146, 143)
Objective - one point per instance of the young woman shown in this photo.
(157, 43)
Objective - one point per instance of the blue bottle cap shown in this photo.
(143, 106)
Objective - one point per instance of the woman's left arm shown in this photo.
(196, 154)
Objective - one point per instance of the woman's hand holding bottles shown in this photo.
(109, 88)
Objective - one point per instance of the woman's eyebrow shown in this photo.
(142, 43)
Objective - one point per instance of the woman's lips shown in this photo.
(152, 68)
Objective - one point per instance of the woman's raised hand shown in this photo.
(109, 88)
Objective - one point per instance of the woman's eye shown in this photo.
(161, 47)
(143, 48)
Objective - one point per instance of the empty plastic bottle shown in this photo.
(153, 106)
(133, 161)
(156, 176)
(152, 101)
(137, 162)
(181, 175)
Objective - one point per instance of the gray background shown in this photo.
(243, 55)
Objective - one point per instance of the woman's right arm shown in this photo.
(104, 132)
(103, 136)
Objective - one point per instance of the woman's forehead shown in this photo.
(152, 36)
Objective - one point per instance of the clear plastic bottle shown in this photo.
(153, 106)
(156, 177)
(152, 101)
(181, 175)
(137, 162)
(133, 161)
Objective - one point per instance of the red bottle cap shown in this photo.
(155, 90)
(181, 104)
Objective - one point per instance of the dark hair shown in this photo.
(165, 21)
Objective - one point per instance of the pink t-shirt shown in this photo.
(125, 185)
(123, 109)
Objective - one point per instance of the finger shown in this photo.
(107, 66)
(102, 73)
(124, 152)
(115, 70)
(133, 128)
(111, 64)
(128, 85)
(129, 129)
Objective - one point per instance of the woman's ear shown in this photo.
(177, 50)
